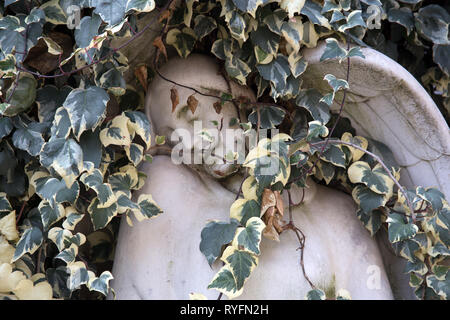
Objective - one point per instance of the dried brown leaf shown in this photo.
(174, 98)
(192, 103)
(158, 43)
(268, 201)
(218, 107)
(142, 75)
(279, 205)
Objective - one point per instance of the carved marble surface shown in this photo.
(160, 258)
(386, 103)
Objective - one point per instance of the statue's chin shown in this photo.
(221, 171)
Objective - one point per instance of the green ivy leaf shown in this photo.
(432, 23)
(270, 116)
(399, 229)
(241, 262)
(376, 179)
(249, 238)
(215, 235)
(402, 16)
(203, 26)
(367, 199)
(65, 157)
(313, 11)
(100, 217)
(354, 19)
(94, 180)
(87, 30)
(22, 97)
(30, 241)
(86, 108)
(333, 50)
(182, 40)
(310, 100)
(225, 282)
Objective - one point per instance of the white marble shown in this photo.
(160, 258)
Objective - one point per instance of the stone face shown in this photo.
(387, 104)
(160, 258)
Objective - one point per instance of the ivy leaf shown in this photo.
(315, 130)
(94, 180)
(292, 6)
(87, 30)
(334, 155)
(371, 220)
(65, 157)
(310, 100)
(357, 140)
(54, 13)
(214, 235)
(5, 206)
(403, 16)
(274, 20)
(276, 71)
(315, 294)
(313, 11)
(22, 97)
(123, 181)
(30, 241)
(225, 282)
(6, 127)
(28, 139)
(49, 98)
(432, 23)
(248, 6)
(51, 212)
(333, 50)
(101, 284)
(8, 66)
(78, 275)
(265, 39)
(367, 199)
(242, 210)
(50, 188)
(140, 6)
(117, 132)
(241, 262)
(376, 179)
(139, 125)
(441, 55)
(148, 208)
(112, 12)
(182, 40)
(203, 26)
(292, 32)
(237, 69)
(86, 108)
(433, 196)
(336, 84)
(270, 117)
(100, 217)
(249, 238)
(8, 226)
(442, 288)
(354, 19)
(399, 229)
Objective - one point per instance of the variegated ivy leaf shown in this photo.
(100, 217)
(8, 226)
(248, 6)
(22, 97)
(441, 287)
(242, 210)
(261, 56)
(336, 84)
(78, 275)
(315, 130)
(415, 280)
(223, 48)
(357, 140)
(274, 20)
(61, 127)
(64, 238)
(297, 63)
(87, 30)
(54, 13)
(334, 155)
(343, 294)
(367, 199)
(276, 71)
(402, 16)
(376, 179)
(116, 132)
(141, 5)
(123, 181)
(6, 127)
(214, 236)
(399, 229)
(292, 6)
(432, 23)
(50, 188)
(203, 26)
(8, 66)
(326, 171)
(49, 98)
(310, 100)
(68, 255)
(237, 69)
(265, 39)
(65, 157)
(433, 196)
(148, 208)
(139, 125)
(236, 25)
(439, 249)
(51, 212)
(315, 294)
(242, 263)
(250, 189)
(225, 283)
(72, 218)
(86, 108)
(354, 19)
(135, 153)
(337, 16)
(30, 241)
(333, 50)
(249, 238)
(105, 195)
(182, 40)
(313, 11)
(270, 117)
(5, 206)
(292, 32)
(372, 220)
(101, 284)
